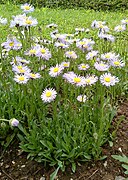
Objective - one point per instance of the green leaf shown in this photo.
(102, 158)
(73, 167)
(54, 174)
(125, 166)
(122, 158)
(110, 143)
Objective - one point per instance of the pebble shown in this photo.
(23, 166)
(119, 178)
(7, 166)
(42, 178)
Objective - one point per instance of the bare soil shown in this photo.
(15, 166)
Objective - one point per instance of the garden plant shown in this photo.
(59, 90)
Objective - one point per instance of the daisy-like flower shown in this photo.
(32, 51)
(90, 79)
(52, 25)
(81, 98)
(85, 44)
(48, 95)
(65, 64)
(12, 43)
(83, 66)
(57, 36)
(19, 60)
(43, 53)
(20, 69)
(21, 79)
(18, 20)
(71, 54)
(73, 78)
(109, 56)
(3, 21)
(104, 29)
(107, 37)
(124, 21)
(98, 24)
(27, 8)
(29, 21)
(108, 80)
(117, 63)
(61, 45)
(120, 28)
(101, 66)
(90, 55)
(33, 75)
(55, 71)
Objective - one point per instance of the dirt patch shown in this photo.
(15, 166)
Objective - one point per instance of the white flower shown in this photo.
(55, 71)
(65, 64)
(27, 8)
(83, 66)
(61, 45)
(21, 79)
(91, 55)
(90, 79)
(82, 98)
(120, 28)
(124, 21)
(29, 21)
(48, 95)
(107, 37)
(79, 29)
(3, 21)
(20, 69)
(43, 53)
(101, 66)
(13, 122)
(108, 80)
(98, 24)
(109, 56)
(33, 75)
(71, 54)
(117, 63)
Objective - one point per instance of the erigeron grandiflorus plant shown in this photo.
(61, 91)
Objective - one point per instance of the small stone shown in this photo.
(105, 164)
(23, 166)
(119, 178)
(13, 162)
(1, 164)
(0, 173)
(42, 178)
(7, 166)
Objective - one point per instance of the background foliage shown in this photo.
(112, 5)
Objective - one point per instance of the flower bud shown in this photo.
(13, 122)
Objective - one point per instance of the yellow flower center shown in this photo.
(61, 44)
(70, 52)
(65, 65)
(117, 63)
(28, 21)
(22, 70)
(83, 66)
(48, 94)
(19, 67)
(11, 44)
(102, 64)
(77, 80)
(107, 55)
(107, 79)
(85, 46)
(87, 80)
(56, 69)
(43, 51)
(82, 43)
(33, 75)
(26, 7)
(120, 27)
(101, 26)
(32, 51)
(21, 78)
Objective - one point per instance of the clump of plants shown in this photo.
(60, 91)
